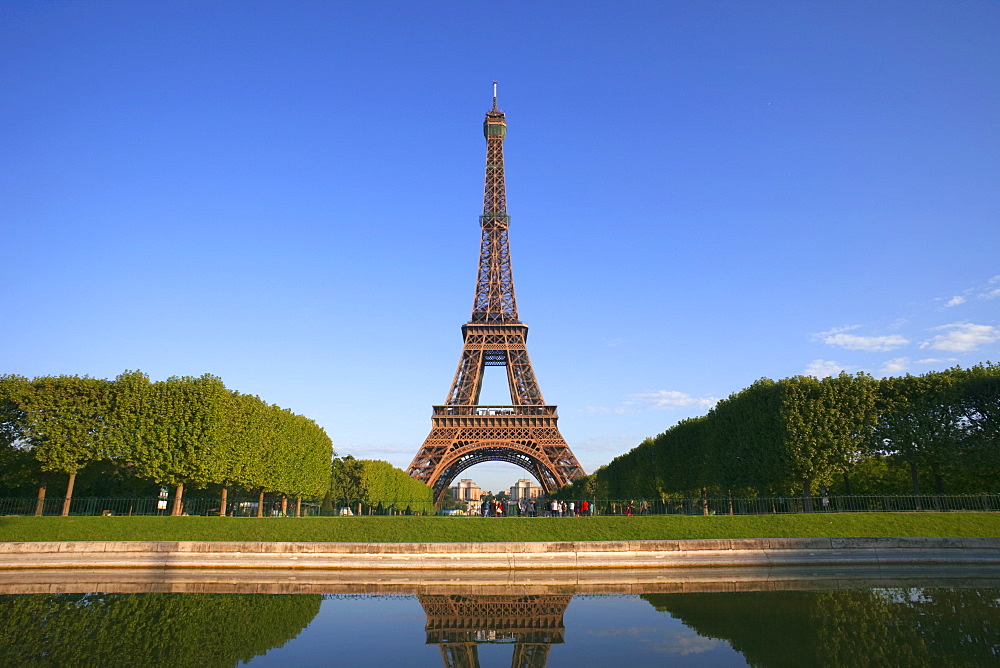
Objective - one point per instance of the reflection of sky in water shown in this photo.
(626, 630)
(600, 631)
(362, 631)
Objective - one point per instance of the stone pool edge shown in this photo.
(511, 556)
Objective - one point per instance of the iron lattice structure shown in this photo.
(459, 624)
(524, 432)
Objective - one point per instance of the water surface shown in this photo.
(949, 617)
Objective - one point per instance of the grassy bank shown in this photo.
(455, 529)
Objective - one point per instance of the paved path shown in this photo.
(501, 556)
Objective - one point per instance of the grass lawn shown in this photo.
(474, 529)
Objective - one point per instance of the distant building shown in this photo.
(525, 490)
(470, 493)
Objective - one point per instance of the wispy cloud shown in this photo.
(982, 292)
(901, 365)
(962, 337)
(840, 338)
(604, 410)
(669, 399)
(824, 368)
(662, 400)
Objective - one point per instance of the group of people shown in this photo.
(532, 508)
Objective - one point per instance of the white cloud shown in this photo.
(901, 365)
(823, 368)
(895, 367)
(868, 343)
(604, 410)
(836, 330)
(962, 337)
(982, 292)
(669, 399)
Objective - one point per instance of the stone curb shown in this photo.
(474, 556)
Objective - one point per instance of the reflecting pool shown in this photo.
(780, 617)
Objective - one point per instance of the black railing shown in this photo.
(236, 506)
(796, 504)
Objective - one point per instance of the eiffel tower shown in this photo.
(524, 432)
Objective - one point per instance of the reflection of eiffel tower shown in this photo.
(460, 623)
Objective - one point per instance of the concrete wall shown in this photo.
(502, 556)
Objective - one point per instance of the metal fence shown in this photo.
(247, 506)
(236, 506)
(796, 504)
(79, 506)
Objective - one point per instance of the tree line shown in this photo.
(181, 432)
(846, 434)
(375, 485)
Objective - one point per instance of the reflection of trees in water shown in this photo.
(148, 629)
(861, 627)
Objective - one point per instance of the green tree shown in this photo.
(920, 422)
(827, 426)
(175, 430)
(67, 420)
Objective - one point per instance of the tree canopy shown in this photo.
(179, 431)
(843, 433)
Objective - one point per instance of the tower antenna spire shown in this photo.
(494, 96)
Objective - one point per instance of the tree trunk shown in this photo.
(260, 504)
(704, 501)
(938, 481)
(298, 506)
(729, 493)
(847, 484)
(914, 480)
(807, 499)
(284, 505)
(178, 495)
(40, 504)
(222, 502)
(69, 494)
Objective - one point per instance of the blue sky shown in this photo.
(702, 194)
